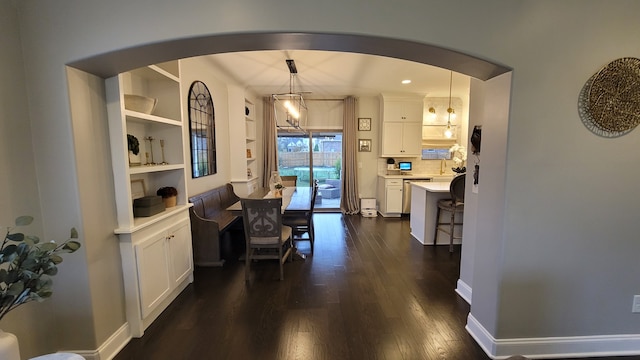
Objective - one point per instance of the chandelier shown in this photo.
(290, 109)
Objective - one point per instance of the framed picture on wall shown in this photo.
(364, 124)
(138, 189)
(364, 145)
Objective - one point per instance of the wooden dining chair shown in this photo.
(289, 180)
(303, 223)
(265, 236)
(454, 206)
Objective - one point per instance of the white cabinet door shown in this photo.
(401, 139)
(411, 139)
(392, 139)
(153, 272)
(394, 199)
(179, 239)
(402, 110)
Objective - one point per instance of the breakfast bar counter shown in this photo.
(424, 206)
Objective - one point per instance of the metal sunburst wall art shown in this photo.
(609, 102)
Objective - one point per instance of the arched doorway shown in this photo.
(112, 63)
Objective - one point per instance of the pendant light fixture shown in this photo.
(290, 108)
(448, 132)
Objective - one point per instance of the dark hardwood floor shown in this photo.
(369, 291)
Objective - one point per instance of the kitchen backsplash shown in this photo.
(419, 166)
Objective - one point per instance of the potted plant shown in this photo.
(26, 268)
(278, 189)
(134, 149)
(459, 155)
(169, 196)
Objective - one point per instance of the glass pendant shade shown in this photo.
(448, 133)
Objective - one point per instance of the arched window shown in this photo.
(202, 131)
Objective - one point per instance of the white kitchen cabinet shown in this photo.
(153, 271)
(401, 126)
(157, 264)
(401, 139)
(155, 250)
(402, 108)
(180, 253)
(163, 262)
(389, 197)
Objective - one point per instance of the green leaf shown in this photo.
(9, 250)
(16, 237)
(56, 259)
(48, 246)
(29, 263)
(15, 289)
(74, 233)
(32, 239)
(50, 270)
(24, 220)
(71, 246)
(23, 248)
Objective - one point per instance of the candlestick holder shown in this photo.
(162, 147)
(150, 139)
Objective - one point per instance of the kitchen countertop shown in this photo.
(437, 186)
(436, 177)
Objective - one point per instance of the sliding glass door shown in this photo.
(316, 155)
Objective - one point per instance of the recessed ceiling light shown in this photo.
(406, 82)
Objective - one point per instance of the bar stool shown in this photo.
(454, 206)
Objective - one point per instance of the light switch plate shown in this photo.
(636, 304)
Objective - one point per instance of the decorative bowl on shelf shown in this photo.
(139, 103)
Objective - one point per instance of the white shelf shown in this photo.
(140, 223)
(146, 169)
(143, 118)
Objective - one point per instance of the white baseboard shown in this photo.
(554, 347)
(110, 348)
(464, 291)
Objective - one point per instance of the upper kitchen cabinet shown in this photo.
(401, 126)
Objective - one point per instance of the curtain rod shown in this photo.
(307, 99)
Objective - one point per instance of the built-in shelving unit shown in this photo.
(243, 124)
(251, 140)
(156, 250)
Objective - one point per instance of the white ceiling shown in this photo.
(328, 74)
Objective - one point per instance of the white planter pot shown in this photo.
(9, 349)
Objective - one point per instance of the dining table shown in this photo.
(296, 202)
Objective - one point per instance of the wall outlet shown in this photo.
(636, 304)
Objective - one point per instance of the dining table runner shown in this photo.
(286, 196)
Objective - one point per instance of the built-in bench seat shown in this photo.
(211, 223)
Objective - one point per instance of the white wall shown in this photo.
(199, 68)
(367, 162)
(18, 176)
(568, 240)
(469, 228)
(95, 287)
